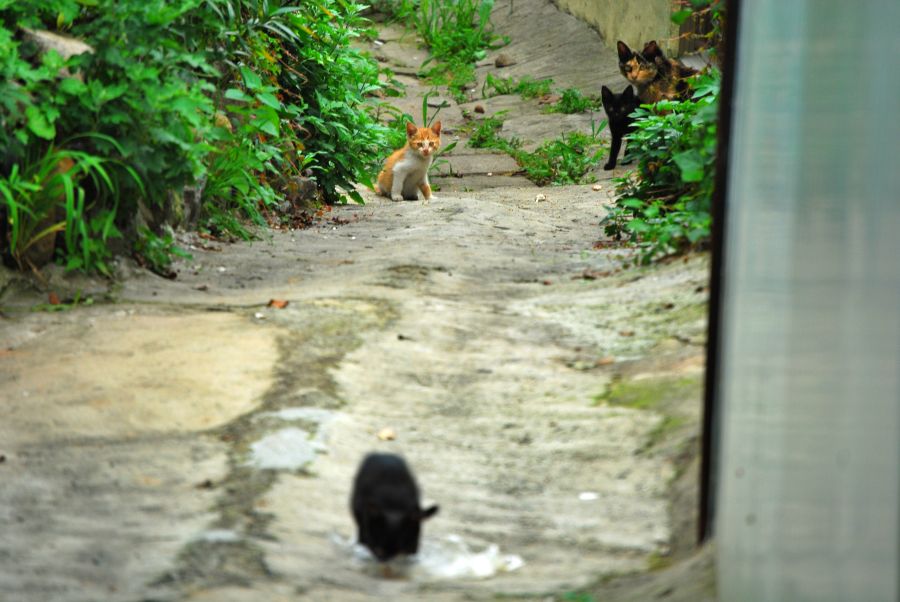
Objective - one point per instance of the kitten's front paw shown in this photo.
(609, 166)
(431, 198)
(396, 197)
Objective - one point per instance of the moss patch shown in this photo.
(662, 394)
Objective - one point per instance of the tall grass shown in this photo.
(48, 193)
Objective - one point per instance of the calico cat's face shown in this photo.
(634, 66)
(425, 141)
(618, 107)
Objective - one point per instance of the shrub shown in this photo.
(664, 205)
(241, 94)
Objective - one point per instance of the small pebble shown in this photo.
(596, 187)
(504, 60)
(540, 197)
(387, 434)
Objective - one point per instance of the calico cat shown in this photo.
(406, 170)
(618, 109)
(655, 76)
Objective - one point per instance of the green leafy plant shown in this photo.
(458, 33)
(156, 252)
(526, 87)
(664, 205)
(563, 160)
(159, 80)
(62, 190)
(485, 134)
(573, 101)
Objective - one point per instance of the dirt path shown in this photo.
(187, 442)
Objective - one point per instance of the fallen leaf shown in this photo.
(278, 303)
(605, 361)
(547, 282)
(626, 333)
(387, 434)
(479, 109)
(549, 99)
(52, 298)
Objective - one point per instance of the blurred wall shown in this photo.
(632, 21)
(808, 399)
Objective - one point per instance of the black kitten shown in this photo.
(385, 505)
(618, 112)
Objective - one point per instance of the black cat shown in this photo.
(385, 505)
(618, 113)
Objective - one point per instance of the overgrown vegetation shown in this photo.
(664, 205)
(567, 159)
(458, 33)
(525, 87)
(234, 97)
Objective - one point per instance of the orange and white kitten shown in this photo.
(406, 170)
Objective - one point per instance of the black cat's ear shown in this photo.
(628, 93)
(651, 50)
(426, 513)
(607, 96)
(625, 52)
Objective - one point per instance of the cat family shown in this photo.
(385, 504)
(405, 172)
(655, 76)
(618, 109)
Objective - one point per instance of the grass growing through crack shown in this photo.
(526, 87)
(458, 33)
(573, 101)
(563, 160)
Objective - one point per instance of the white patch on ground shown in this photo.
(219, 535)
(287, 449)
(317, 415)
(445, 559)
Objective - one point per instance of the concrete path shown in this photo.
(185, 440)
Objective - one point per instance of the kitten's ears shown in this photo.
(628, 93)
(625, 52)
(411, 129)
(436, 128)
(607, 95)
